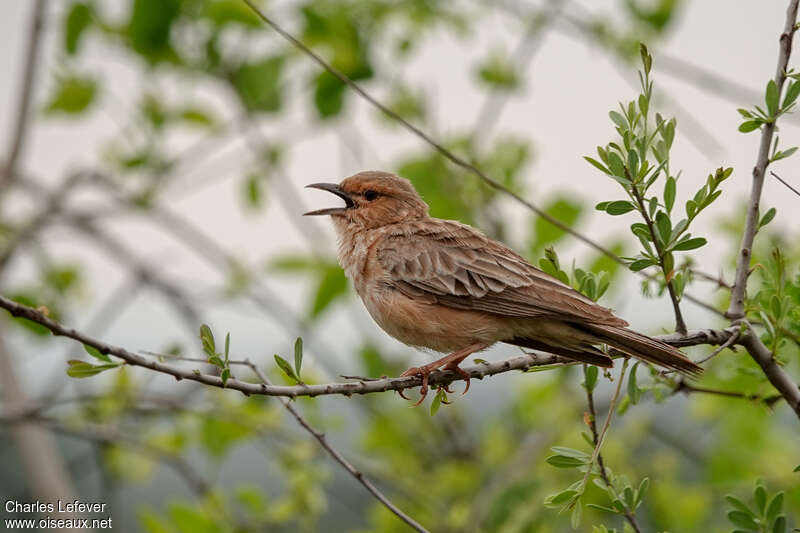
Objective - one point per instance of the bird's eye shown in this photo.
(370, 195)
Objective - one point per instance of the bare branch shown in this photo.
(592, 421)
(776, 375)
(736, 308)
(338, 457)
(25, 93)
(523, 362)
(785, 183)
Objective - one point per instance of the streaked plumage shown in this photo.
(443, 285)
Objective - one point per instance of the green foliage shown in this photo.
(219, 360)
(78, 19)
(498, 72)
(544, 234)
(82, 369)
(259, 84)
(331, 283)
(630, 165)
(766, 517)
(73, 95)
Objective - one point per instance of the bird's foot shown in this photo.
(464, 375)
(424, 372)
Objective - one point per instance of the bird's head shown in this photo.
(373, 199)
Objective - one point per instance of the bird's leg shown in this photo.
(448, 362)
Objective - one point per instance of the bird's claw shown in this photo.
(464, 375)
(423, 390)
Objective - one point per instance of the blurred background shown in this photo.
(156, 184)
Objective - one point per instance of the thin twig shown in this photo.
(727, 344)
(785, 183)
(602, 435)
(680, 325)
(688, 388)
(479, 371)
(736, 308)
(776, 375)
(592, 419)
(25, 94)
(353, 471)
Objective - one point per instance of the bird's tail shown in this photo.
(644, 347)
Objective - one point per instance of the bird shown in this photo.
(444, 286)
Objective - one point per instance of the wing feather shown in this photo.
(457, 266)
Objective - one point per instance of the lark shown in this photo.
(445, 286)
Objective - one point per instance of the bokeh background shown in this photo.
(160, 186)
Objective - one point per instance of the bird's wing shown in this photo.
(455, 265)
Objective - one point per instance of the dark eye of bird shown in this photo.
(370, 195)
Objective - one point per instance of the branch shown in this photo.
(338, 457)
(736, 308)
(680, 325)
(785, 183)
(523, 362)
(25, 93)
(592, 421)
(779, 379)
(687, 388)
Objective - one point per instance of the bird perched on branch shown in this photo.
(443, 285)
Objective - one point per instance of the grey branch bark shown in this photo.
(523, 362)
(25, 93)
(736, 308)
(339, 458)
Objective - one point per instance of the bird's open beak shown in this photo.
(335, 189)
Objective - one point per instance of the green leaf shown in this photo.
(641, 264)
(742, 519)
(253, 191)
(590, 378)
(670, 187)
(739, 504)
(571, 452)
(79, 17)
(634, 392)
(690, 244)
(72, 95)
(259, 84)
(328, 95)
(82, 369)
(298, 355)
(225, 375)
(150, 27)
(575, 517)
(772, 98)
(750, 125)
(332, 285)
(619, 207)
(437, 402)
(780, 525)
(597, 164)
(97, 354)
(618, 119)
(286, 367)
(791, 94)
(556, 500)
(227, 346)
(783, 154)
(774, 508)
(498, 72)
(195, 116)
(796, 469)
(207, 339)
(223, 12)
(545, 234)
(760, 497)
(565, 461)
